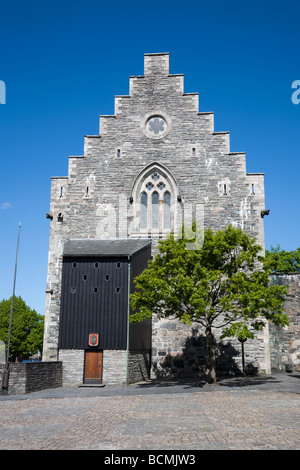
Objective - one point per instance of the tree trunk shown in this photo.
(212, 378)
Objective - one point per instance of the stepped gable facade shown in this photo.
(156, 162)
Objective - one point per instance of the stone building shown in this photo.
(155, 163)
(285, 342)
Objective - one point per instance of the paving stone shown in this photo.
(252, 417)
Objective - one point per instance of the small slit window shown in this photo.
(225, 190)
(118, 153)
(252, 189)
(193, 151)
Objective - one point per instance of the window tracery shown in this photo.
(155, 193)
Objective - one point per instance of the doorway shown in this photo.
(93, 367)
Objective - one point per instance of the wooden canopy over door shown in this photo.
(93, 367)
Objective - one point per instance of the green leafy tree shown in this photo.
(26, 330)
(223, 284)
(283, 261)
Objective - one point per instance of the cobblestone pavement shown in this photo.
(235, 415)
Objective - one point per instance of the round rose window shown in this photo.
(156, 126)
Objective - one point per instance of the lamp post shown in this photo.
(5, 376)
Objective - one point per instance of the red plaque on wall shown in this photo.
(93, 339)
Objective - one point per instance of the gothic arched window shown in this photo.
(155, 195)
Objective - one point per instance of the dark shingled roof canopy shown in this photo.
(95, 247)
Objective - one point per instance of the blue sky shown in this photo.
(64, 61)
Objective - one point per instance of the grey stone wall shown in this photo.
(73, 366)
(139, 366)
(114, 367)
(180, 352)
(34, 376)
(285, 342)
(94, 200)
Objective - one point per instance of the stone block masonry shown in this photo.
(33, 376)
(73, 364)
(285, 342)
(114, 366)
(180, 352)
(139, 366)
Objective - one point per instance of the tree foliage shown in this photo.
(223, 284)
(283, 261)
(26, 331)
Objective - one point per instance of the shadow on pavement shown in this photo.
(245, 381)
(279, 380)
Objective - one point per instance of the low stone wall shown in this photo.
(285, 342)
(138, 366)
(33, 376)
